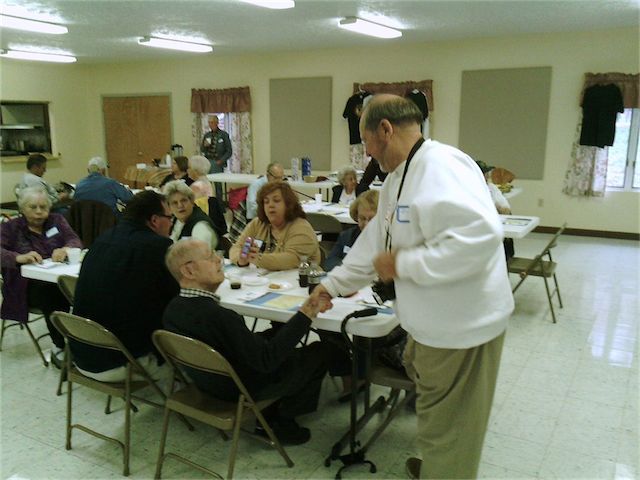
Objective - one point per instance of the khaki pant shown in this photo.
(455, 392)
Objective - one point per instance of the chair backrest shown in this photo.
(89, 219)
(67, 285)
(179, 350)
(216, 214)
(87, 331)
(324, 223)
(554, 240)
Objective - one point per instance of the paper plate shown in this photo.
(279, 286)
(254, 280)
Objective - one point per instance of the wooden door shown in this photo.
(137, 130)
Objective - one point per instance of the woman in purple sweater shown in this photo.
(35, 235)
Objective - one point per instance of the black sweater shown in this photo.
(257, 360)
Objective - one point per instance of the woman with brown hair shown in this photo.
(282, 228)
(179, 167)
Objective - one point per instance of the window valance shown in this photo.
(223, 100)
(626, 82)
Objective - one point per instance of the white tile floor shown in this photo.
(566, 403)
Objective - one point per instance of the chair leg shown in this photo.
(546, 286)
(272, 436)
(107, 409)
(127, 425)
(555, 280)
(255, 322)
(163, 439)
(2, 333)
(236, 436)
(63, 377)
(37, 345)
(69, 395)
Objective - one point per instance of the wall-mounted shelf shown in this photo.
(24, 127)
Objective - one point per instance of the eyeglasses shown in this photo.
(275, 177)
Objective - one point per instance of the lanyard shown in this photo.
(416, 146)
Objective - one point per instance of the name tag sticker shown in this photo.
(220, 140)
(402, 213)
(346, 249)
(52, 231)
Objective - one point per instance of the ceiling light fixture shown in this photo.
(273, 4)
(175, 44)
(366, 27)
(37, 56)
(16, 23)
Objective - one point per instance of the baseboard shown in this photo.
(590, 233)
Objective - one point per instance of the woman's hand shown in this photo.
(58, 255)
(253, 255)
(26, 258)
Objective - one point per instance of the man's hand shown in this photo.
(316, 304)
(27, 258)
(385, 265)
(59, 254)
(321, 295)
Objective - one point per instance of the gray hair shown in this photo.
(346, 170)
(368, 199)
(182, 252)
(178, 186)
(200, 164)
(27, 194)
(97, 164)
(397, 110)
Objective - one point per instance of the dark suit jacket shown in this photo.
(124, 286)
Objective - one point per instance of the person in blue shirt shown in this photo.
(98, 187)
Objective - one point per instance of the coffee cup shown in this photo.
(235, 281)
(74, 255)
(318, 197)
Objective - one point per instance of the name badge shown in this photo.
(402, 213)
(52, 231)
(346, 249)
(220, 140)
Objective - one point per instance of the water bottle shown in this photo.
(303, 272)
(314, 276)
(295, 169)
(306, 167)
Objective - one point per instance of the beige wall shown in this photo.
(570, 56)
(65, 87)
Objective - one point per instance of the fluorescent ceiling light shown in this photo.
(17, 23)
(366, 27)
(273, 4)
(37, 56)
(175, 44)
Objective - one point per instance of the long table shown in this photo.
(242, 300)
(248, 178)
(515, 226)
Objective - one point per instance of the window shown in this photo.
(623, 167)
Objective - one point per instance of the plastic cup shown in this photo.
(74, 255)
(318, 197)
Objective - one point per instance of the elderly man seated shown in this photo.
(275, 173)
(37, 167)
(268, 367)
(98, 187)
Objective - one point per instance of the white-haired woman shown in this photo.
(35, 235)
(345, 193)
(190, 221)
(198, 168)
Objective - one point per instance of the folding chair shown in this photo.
(24, 326)
(539, 267)
(67, 285)
(91, 333)
(327, 225)
(183, 351)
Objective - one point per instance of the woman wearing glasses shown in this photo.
(282, 228)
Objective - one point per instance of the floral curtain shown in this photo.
(587, 172)
(240, 133)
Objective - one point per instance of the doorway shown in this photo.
(137, 130)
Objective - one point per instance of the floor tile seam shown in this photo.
(527, 475)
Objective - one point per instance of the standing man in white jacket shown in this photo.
(438, 237)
